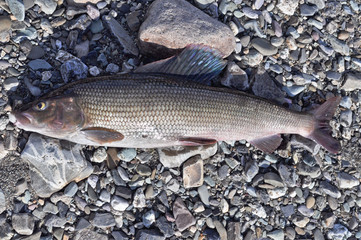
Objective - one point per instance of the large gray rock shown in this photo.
(54, 163)
(174, 156)
(171, 25)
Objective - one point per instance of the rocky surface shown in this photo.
(296, 53)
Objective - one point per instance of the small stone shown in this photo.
(174, 156)
(148, 218)
(329, 189)
(300, 221)
(204, 194)
(273, 179)
(17, 8)
(264, 46)
(11, 83)
(346, 118)
(139, 199)
(352, 82)
(288, 175)
(250, 13)
(223, 172)
(100, 155)
(71, 189)
(123, 174)
(74, 67)
(144, 170)
(23, 223)
(82, 22)
(2, 202)
(122, 36)
(308, 10)
(317, 235)
(288, 7)
(149, 234)
(103, 220)
(258, 4)
(346, 181)
(173, 185)
(288, 210)
(265, 87)
(220, 229)
(305, 211)
(276, 235)
(338, 232)
(251, 170)
(193, 172)
(82, 49)
(127, 154)
(87, 233)
(310, 202)
(93, 12)
(339, 46)
(5, 25)
(119, 203)
(164, 226)
(306, 170)
(47, 6)
(235, 77)
(112, 68)
(94, 71)
(183, 218)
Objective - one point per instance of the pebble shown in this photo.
(220, 229)
(235, 77)
(148, 218)
(5, 25)
(264, 46)
(39, 64)
(164, 226)
(73, 67)
(103, 220)
(329, 189)
(2, 201)
(346, 118)
(338, 232)
(287, 7)
(71, 189)
(183, 218)
(346, 181)
(17, 8)
(23, 223)
(193, 172)
(204, 194)
(308, 10)
(11, 83)
(276, 235)
(127, 154)
(139, 199)
(273, 179)
(339, 46)
(112, 68)
(352, 82)
(146, 234)
(119, 203)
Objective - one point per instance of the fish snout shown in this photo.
(19, 118)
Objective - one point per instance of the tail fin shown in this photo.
(322, 131)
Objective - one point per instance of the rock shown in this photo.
(39, 64)
(308, 10)
(317, 235)
(235, 77)
(122, 36)
(174, 156)
(183, 218)
(71, 189)
(264, 46)
(288, 7)
(127, 154)
(300, 221)
(338, 232)
(288, 175)
(251, 170)
(234, 230)
(306, 170)
(103, 220)
(193, 172)
(339, 46)
(23, 223)
(345, 180)
(273, 179)
(112, 68)
(202, 4)
(36, 52)
(47, 6)
(310, 202)
(11, 83)
(17, 9)
(164, 226)
(204, 194)
(5, 25)
(346, 118)
(92, 11)
(82, 49)
(305, 211)
(329, 189)
(139, 199)
(352, 82)
(88, 234)
(173, 185)
(171, 25)
(54, 163)
(6, 231)
(148, 218)
(276, 235)
(220, 229)
(2, 201)
(73, 68)
(265, 87)
(305, 143)
(319, 3)
(119, 204)
(288, 210)
(149, 234)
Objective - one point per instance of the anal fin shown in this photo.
(195, 141)
(102, 135)
(267, 144)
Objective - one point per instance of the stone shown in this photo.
(288, 7)
(127, 154)
(88, 234)
(233, 230)
(276, 234)
(306, 170)
(112, 68)
(346, 181)
(149, 234)
(82, 49)
(174, 156)
(47, 6)
(5, 25)
(346, 118)
(264, 46)
(50, 208)
(119, 204)
(55, 221)
(288, 175)
(92, 11)
(338, 232)
(352, 82)
(202, 4)
(183, 218)
(73, 68)
(329, 189)
(305, 143)
(17, 8)
(308, 10)
(148, 218)
(165, 227)
(317, 235)
(251, 170)
(235, 77)
(11, 84)
(122, 36)
(193, 172)
(23, 223)
(220, 229)
(171, 25)
(39, 64)
(310, 202)
(339, 46)
(36, 52)
(2, 201)
(204, 194)
(305, 211)
(300, 221)
(103, 220)
(288, 210)
(54, 163)
(273, 179)
(139, 199)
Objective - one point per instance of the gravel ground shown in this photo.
(297, 53)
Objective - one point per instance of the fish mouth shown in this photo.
(20, 119)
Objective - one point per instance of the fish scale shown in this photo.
(138, 104)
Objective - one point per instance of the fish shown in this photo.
(170, 107)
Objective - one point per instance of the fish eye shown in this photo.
(40, 106)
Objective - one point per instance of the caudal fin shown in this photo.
(322, 131)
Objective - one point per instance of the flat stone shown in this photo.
(122, 36)
(308, 10)
(171, 25)
(276, 234)
(264, 46)
(288, 175)
(346, 181)
(306, 170)
(54, 163)
(174, 156)
(352, 82)
(300, 221)
(183, 218)
(2, 201)
(204, 194)
(36, 52)
(329, 189)
(71, 189)
(288, 7)
(5, 24)
(47, 6)
(23, 223)
(17, 8)
(273, 179)
(339, 46)
(103, 220)
(149, 234)
(11, 83)
(221, 230)
(165, 227)
(193, 172)
(119, 204)
(39, 64)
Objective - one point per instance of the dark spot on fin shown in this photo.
(102, 135)
(322, 131)
(196, 62)
(267, 144)
(194, 141)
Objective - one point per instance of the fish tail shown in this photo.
(322, 130)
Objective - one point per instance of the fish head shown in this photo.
(55, 117)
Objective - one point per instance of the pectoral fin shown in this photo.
(102, 135)
(194, 141)
(267, 144)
